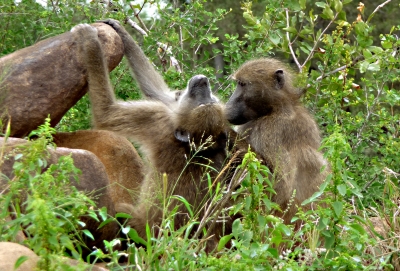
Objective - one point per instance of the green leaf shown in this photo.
(135, 237)
(387, 44)
(364, 66)
(20, 261)
(290, 29)
(337, 207)
(103, 213)
(358, 228)
(237, 228)
(276, 237)
(321, 4)
(105, 222)
(223, 241)
(329, 239)
(374, 67)
(275, 38)
(248, 203)
(342, 189)
(312, 198)
(262, 221)
(338, 5)
(122, 215)
(328, 12)
(88, 234)
(375, 49)
(284, 229)
(367, 54)
(249, 18)
(256, 190)
(274, 252)
(302, 4)
(185, 202)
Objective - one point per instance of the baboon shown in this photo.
(266, 109)
(185, 138)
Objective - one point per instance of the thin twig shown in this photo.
(317, 41)
(136, 26)
(354, 62)
(377, 8)
(138, 17)
(290, 43)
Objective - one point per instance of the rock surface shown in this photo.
(93, 178)
(11, 252)
(48, 78)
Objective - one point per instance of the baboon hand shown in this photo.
(85, 30)
(114, 24)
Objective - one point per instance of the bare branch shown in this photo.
(136, 27)
(355, 61)
(173, 61)
(377, 8)
(318, 40)
(138, 17)
(290, 43)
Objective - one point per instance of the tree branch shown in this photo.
(377, 8)
(290, 43)
(317, 41)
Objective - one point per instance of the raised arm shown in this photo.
(150, 81)
(136, 120)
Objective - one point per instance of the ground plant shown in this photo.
(347, 56)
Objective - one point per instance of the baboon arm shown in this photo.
(144, 122)
(138, 120)
(150, 81)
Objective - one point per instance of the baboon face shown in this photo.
(261, 86)
(198, 93)
(199, 112)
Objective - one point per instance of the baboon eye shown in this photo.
(240, 83)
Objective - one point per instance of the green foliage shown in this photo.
(42, 201)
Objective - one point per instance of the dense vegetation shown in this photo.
(347, 56)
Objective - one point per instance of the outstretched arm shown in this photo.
(137, 120)
(150, 81)
(101, 93)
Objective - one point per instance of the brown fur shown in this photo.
(123, 164)
(170, 134)
(266, 108)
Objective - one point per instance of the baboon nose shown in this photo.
(199, 80)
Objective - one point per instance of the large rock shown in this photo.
(48, 78)
(93, 179)
(11, 252)
(123, 165)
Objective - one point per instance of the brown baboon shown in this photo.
(266, 108)
(186, 139)
(123, 164)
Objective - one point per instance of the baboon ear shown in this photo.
(279, 79)
(182, 135)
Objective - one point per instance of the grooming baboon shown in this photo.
(186, 139)
(266, 108)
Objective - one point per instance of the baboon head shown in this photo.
(263, 86)
(199, 112)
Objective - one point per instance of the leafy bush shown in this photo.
(42, 201)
